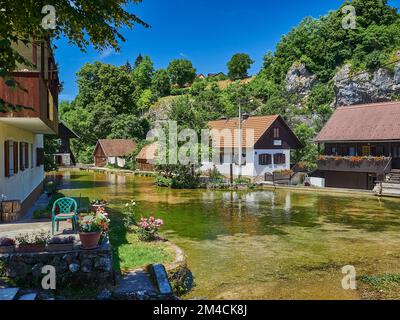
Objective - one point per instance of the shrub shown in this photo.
(162, 181)
(129, 212)
(179, 91)
(215, 176)
(148, 229)
(242, 180)
(53, 199)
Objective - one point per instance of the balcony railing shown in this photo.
(371, 164)
(31, 99)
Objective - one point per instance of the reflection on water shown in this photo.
(263, 244)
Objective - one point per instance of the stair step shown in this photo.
(8, 293)
(28, 297)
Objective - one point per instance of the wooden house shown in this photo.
(112, 151)
(361, 145)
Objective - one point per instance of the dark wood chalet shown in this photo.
(64, 156)
(361, 145)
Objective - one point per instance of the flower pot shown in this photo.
(89, 240)
(32, 248)
(60, 247)
(7, 249)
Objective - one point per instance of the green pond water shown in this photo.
(262, 244)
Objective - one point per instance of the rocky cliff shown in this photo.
(350, 89)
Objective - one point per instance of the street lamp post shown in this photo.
(240, 139)
(241, 118)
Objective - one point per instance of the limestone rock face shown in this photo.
(299, 80)
(365, 87)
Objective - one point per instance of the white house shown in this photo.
(26, 114)
(266, 145)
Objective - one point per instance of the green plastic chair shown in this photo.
(67, 210)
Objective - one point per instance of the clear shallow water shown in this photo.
(262, 244)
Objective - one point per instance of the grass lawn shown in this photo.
(129, 252)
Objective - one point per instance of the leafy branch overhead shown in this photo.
(82, 22)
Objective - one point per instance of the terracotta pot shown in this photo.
(31, 248)
(89, 240)
(60, 247)
(7, 249)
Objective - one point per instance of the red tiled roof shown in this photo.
(117, 147)
(368, 122)
(257, 125)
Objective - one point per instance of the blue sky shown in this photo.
(208, 32)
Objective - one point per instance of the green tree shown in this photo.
(101, 83)
(308, 154)
(161, 84)
(83, 23)
(239, 65)
(138, 60)
(181, 72)
(143, 73)
(129, 127)
(50, 148)
(146, 99)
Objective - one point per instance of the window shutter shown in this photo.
(15, 157)
(265, 159)
(21, 156)
(279, 158)
(7, 158)
(26, 155)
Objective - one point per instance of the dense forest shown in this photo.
(124, 101)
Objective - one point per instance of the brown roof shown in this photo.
(148, 152)
(257, 125)
(368, 122)
(117, 147)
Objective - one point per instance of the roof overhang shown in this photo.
(34, 125)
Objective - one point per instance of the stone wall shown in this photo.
(78, 268)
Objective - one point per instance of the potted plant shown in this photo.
(7, 245)
(35, 242)
(61, 244)
(98, 203)
(148, 229)
(91, 227)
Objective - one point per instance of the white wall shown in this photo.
(21, 185)
(260, 170)
(252, 168)
(317, 182)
